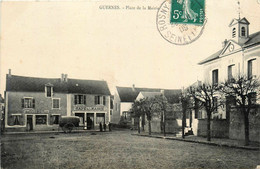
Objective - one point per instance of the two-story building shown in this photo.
(239, 56)
(38, 103)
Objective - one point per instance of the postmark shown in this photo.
(177, 33)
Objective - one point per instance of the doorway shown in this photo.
(90, 121)
(29, 122)
(81, 118)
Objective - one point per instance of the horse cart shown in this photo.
(68, 123)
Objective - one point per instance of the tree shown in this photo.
(138, 110)
(161, 106)
(243, 90)
(184, 103)
(208, 97)
(149, 110)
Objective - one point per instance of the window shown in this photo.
(16, 119)
(100, 100)
(56, 119)
(48, 91)
(28, 102)
(251, 68)
(41, 119)
(215, 76)
(100, 118)
(111, 112)
(79, 99)
(104, 100)
(125, 114)
(243, 31)
(233, 32)
(56, 103)
(230, 72)
(97, 99)
(215, 104)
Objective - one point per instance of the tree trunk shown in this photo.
(208, 127)
(138, 125)
(164, 124)
(246, 121)
(149, 122)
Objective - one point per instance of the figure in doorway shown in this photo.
(105, 126)
(100, 126)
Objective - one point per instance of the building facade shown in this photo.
(38, 103)
(239, 56)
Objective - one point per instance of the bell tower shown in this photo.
(239, 28)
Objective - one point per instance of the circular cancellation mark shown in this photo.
(176, 33)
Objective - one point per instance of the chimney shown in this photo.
(224, 43)
(62, 77)
(9, 72)
(66, 77)
(133, 87)
(162, 92)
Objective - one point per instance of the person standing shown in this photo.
(100, 126)
(105, 126)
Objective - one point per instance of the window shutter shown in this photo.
(96, 99)
(84, 99)
(33, 103)
(104, 100)
(75, 99)
(22, 103)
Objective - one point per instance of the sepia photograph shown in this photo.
(134, 84)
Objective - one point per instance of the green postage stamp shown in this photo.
(187, 11)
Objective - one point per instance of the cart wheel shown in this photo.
(67, 128)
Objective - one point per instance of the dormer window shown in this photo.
(48, 91)
(233, 32)
(243, 31)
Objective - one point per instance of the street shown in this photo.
(116, 149)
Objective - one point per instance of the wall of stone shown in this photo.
(219, 128)
(236, 129)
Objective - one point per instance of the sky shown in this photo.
(122, 47)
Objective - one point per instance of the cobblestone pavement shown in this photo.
(116, 149)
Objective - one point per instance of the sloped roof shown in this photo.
(129, 94)
(35, 84)
(211, 57)
(235, 21)
(88, 86)
(253, 39)
(150, 94)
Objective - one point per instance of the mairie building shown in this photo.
(33, 103)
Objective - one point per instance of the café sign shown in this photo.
(83, 108)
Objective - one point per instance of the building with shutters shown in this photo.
(38, 103)
(239, 55)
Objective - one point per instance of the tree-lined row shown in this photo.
(240, 91)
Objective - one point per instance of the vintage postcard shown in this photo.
(130, 84)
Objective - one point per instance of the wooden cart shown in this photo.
(68, 123)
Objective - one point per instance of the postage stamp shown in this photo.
(188, 11)
(183, 31)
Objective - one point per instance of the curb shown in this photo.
(200, 142)
(49, 132)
